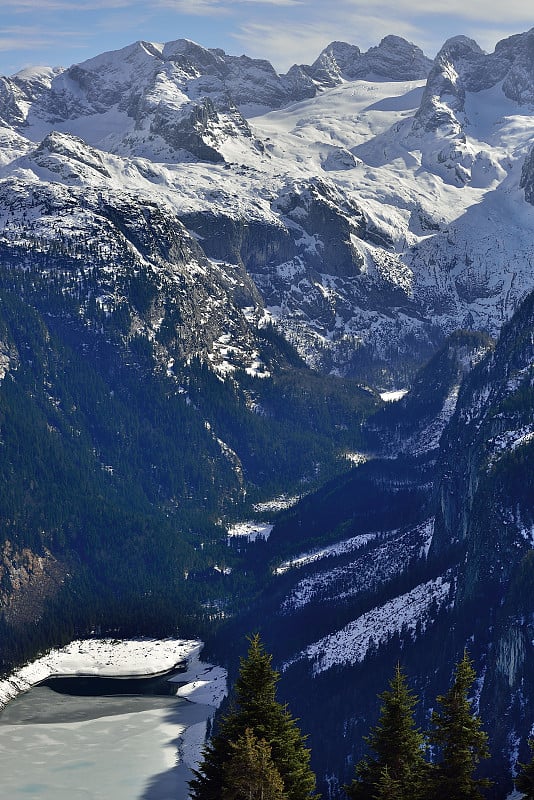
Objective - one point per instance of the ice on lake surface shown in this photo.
(59, 747)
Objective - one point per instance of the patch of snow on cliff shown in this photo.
(406, 613)
(276, 504)
(390, 557)
(428, 439)
(348, 546)
(394, 395)
(356, 458)
(250, 530)
(509, 441)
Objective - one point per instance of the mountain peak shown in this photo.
(458, 46)
(186, 48)
(462, 66)
(394, 59)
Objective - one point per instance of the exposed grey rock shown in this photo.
(255, 245)
(191, 130)
(510, 656)
(298, 83)
(396, 59)
(393, 59)
(21, 89)
(444, 96)
(527, 177)
(462, 66)
(322, 224)
(517, 52)
(64, 153)
(339, 158)
(11, 111)
(337, 62)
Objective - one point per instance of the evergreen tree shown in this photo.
(250, 774)
(399, 768)
(257, 710)
(525, 780)
(458, 733)
(387, 788)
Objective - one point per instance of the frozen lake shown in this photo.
(93, 746)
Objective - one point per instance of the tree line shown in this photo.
(259, 753)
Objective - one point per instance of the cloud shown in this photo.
(205, 8)
(286, 44)
(13, 43)
(275, 2)
(281, 45)
(22, 37)
(494, 10)
(64, 5)
(197, 8)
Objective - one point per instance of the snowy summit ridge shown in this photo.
(376, 200)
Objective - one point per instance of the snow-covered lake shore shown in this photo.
(123, 658)
(163, 743)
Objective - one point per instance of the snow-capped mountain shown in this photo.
(168, 214)
(377, 200)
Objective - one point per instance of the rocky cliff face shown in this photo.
(486, 513)
(527, 177)
(393, 59)
(423, 552)
(365, 215)
(178, 290)
(461, 66)
(492, 421)
(28, 580)
(443, 101)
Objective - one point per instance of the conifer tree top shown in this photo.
(266, 729)
(459, 736)
(257, 679)
(397, 768)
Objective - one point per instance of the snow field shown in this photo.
(250, 530)
(383, 562)
(338, 549)
(404, 613)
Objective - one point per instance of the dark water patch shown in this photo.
(94, 686)
(42, 706)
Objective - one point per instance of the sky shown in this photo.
(63, 32)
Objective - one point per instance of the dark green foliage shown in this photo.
(276, 348)
(457, 733)
(379, 495)
(387, 787)
(257, 710)
(525, 780)
(301, 424)
(250, 773)
(396, 422)
(398, 768)
(107, 462)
